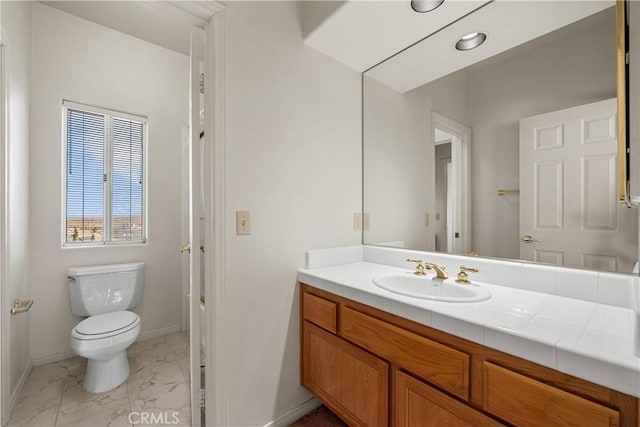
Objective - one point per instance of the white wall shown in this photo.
(399, 157)
(293, 159)
(573, 70)
(16, 36)
(77, 60)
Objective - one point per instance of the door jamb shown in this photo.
(5, 392)
(216, 375)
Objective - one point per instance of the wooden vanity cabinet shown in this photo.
(375, 369)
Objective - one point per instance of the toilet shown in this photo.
(103, 294)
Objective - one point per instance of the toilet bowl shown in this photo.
(103, 340)
(103, 294)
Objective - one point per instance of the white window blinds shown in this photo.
(126, 182)
(104, 177)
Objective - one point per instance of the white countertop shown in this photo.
(585, 339)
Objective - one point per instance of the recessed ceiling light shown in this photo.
(471, 41)
(423, 6)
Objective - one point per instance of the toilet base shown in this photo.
(105, 375)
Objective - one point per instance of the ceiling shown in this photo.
(507, 24)
(164, 23)
(362, 34)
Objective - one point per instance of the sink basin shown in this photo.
(427, 288)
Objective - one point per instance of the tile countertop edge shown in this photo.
(562, 355)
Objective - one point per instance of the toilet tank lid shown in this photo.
(101, 269)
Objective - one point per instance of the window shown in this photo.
(104, 176)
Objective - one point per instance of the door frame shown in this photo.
(209, 17)
(5, 392)
(461, 173)
(214, 225)
(215, 314)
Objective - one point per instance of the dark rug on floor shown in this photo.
(321, 417)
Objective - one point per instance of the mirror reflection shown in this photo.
(505, 150)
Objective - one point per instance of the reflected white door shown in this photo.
(568, 195)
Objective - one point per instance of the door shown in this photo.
(560, 152)
(195, 213)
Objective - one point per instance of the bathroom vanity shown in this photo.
(377, 358)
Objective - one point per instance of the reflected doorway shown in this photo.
(444, 191)
(452, 195)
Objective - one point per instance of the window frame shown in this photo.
(109, 114)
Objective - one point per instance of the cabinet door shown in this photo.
(523, 401)
(419, 405)
(352, 383)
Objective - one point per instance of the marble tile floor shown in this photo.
(158, 385)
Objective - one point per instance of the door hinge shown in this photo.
(201, 82)
(202, 398)
(626, 60)
(104, 177)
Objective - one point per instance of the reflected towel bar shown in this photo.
(503, 192)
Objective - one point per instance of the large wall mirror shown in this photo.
(509, 149)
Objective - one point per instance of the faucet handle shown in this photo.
(463, 277)
(419, 267)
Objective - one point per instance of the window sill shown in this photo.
(103, 245)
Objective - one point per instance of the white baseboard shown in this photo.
(52, 358)
(16, 393)
(159, 332)
(295, 414)
(143, 336)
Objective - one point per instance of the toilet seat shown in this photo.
(105, 325)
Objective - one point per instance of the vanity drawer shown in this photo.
(320, 312)
(523, 401)
(436, 363)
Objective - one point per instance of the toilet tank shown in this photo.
(100, 289)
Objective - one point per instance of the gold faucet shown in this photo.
(419, 267)
(463, 277)
(440, 271)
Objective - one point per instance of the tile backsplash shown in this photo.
(621, 290)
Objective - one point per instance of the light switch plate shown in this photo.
(366, 222)
(243, 223)
(357, 222)
(426, 219)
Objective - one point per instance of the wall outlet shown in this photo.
(366, 222)
(243, 223)
(357, 222)
(426, 219)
